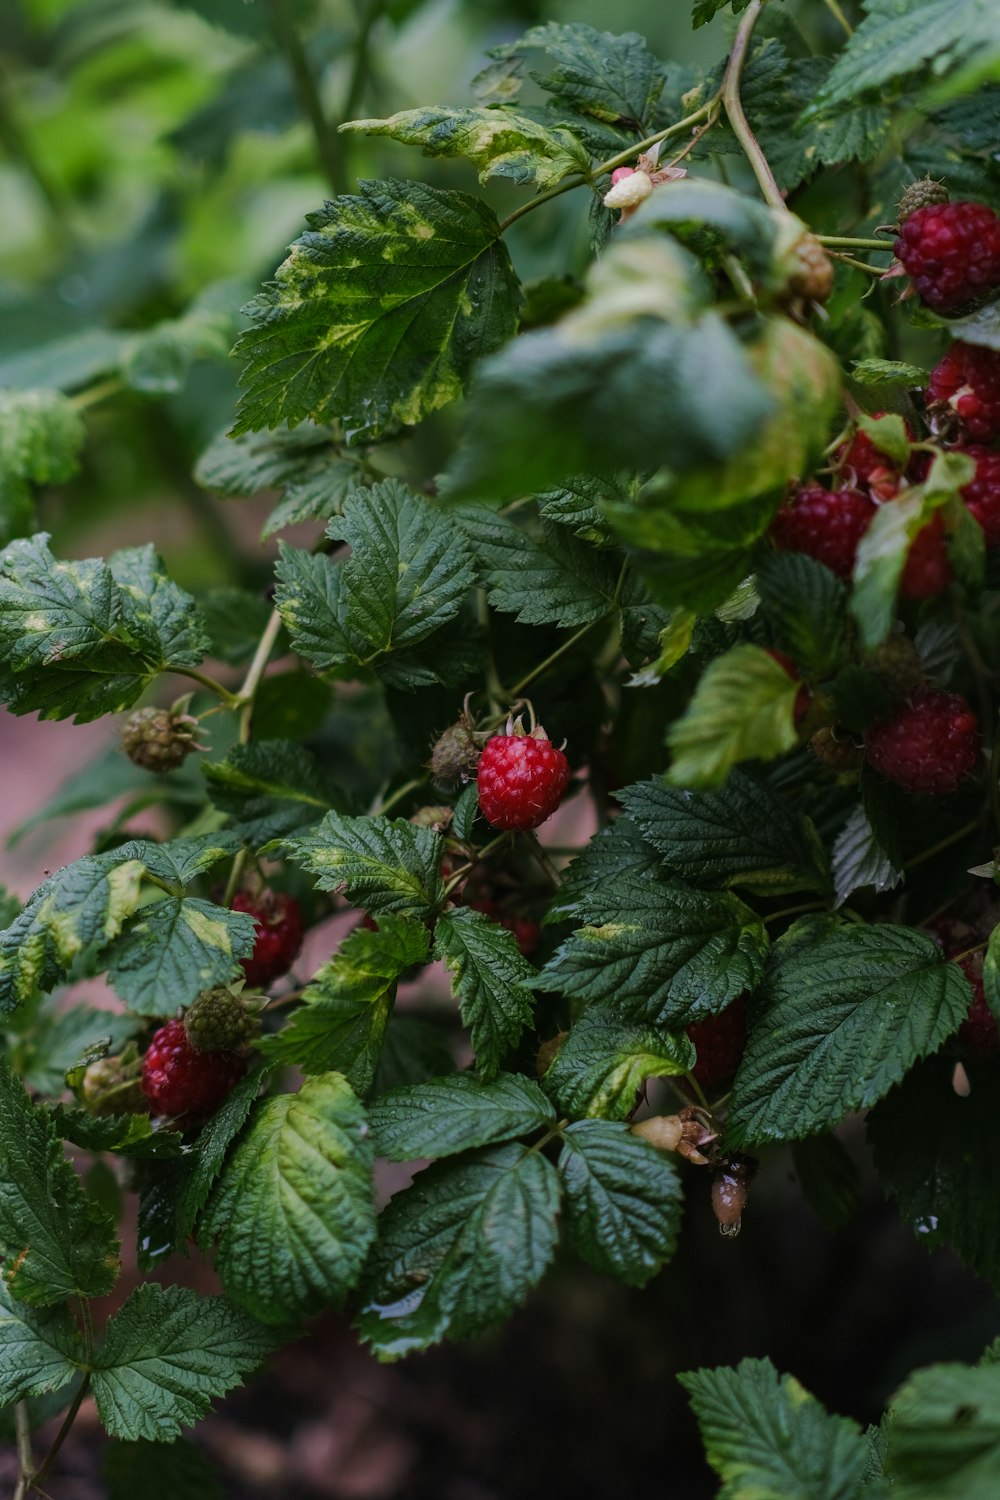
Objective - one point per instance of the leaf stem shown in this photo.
(577, 635)
(849, 242)
(64, 1431)
(733, 106)
(835, 11)
(699, 1092)
(25, 1457)
(230, 700)
(99, 391)
(362, 58)
(859, 265)
(380, 808)
(328, 145)
(255, 672)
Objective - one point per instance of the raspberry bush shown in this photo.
(675, 435)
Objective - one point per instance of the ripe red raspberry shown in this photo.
(279, 934)
(966, 383)
(979, 1029)
(982, 493)
(521, 780)
(930, 745)
(802, 696)
(720, 1041)
(927, 571)
(864, 464)
(826, 525)
(177, 1079)
(952, 251)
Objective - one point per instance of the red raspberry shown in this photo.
(927, 571)
(802, 696)
(982, 493)
(521, 780)
(867, 465)
(826, 525)
(967, 382)
(979, 1029)
(930, 745)
(279, 934)
(720, 1041)
(177, 1079)
(952, 251)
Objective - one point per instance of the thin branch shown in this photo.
(733, 106)
(64, 1431)
(25, 1457)
(328, 144)
(247, 693)
(838, 14)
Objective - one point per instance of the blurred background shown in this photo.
(157, 161)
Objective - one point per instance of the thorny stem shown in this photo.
(733, 106)
(328, 143)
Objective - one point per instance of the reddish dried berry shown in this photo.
(826, 525)
(279, 934)
(927, 571)
(930, 745)
(952, 251)
(719, 1041)
(982, 493)
(521, 780)
(966, 383)
(978, 1031)
(177, 1079)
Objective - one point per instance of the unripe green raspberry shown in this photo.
(219, 1021)
(157, 739)
(838, 752)
(920, 194)
(897, 665)
(453, 759)
(812, 273)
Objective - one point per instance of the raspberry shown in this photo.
(867, 465)
(965, 385)
(812, 273)
(802, 696)
(720, 1041)
(920, 194)
(279, 934)
(620, 174)
(897, 665)
(522, 778)
(218, 1021)
(930, 745)
(177, 1079)
(826, 525)
(982, 493)
(453, 758)
(927, 571)
(952, 251)
(159, 740)
(979, 1029)
(527, 934)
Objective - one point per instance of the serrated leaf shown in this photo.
(161, 618)
(84, 903)
(604, 1062)
(342, 1019)
(167, 1354)
(806, 607)
(176, 948)
(379, 312)
(271, 788)
(617, 851)
(744, 834)
(500, 142)
(125, 1135)
(241, 466)
(40, 1349)
(55, 1242)
(859, 859)
(612, 79)
(743, 709)
(937, 1154)
(704, 10)
(52, 1039)
(621, 1200)
(459, 1249)
(490, 977)
(562, 582)
(159, 1471)
(662, 954)
(293, 1214)
(887, 372)
(847, 1009)
(767, 1436)
(576, 505)
(385, 865)
(456, 1113)
(203, 1165)
(944, 1441)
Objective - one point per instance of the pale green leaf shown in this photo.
(604, 1062)
(743, 709)
(382, 864)
(500, 142)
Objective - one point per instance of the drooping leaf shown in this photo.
(622, 1200)
(500, 142)
(860, 860)
(604, 1062)
(456, 1113)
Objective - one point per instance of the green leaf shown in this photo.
(271, 788)
(176, 948)
(167, 1354)
(379, 312)
(744, 834)
(204, 1163)
(704, 10)
(84, 903)
(491, 978)
(500, 142)
(459, 1249)
(576, 505)
(618, 851)
(385, 865)
(806, 607)
(848, 1009)
(743, 709)
(604, 1062)
(161, 618)
(859, 859)
(937, 1153)
(456, 1113)
(305, 462)
(341, 1022)
(413, 1051)
(896, 38)
(662, 954)
(159, 1471)
(562, 582)
(292, 1213)
(612, 79)
(40, 1349)
(767, 1437)
(41, 434)
(622, 1200)
(887, 372)
(51, 1040)
(126, 1135)
(55, 1242)
(944, 1441)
